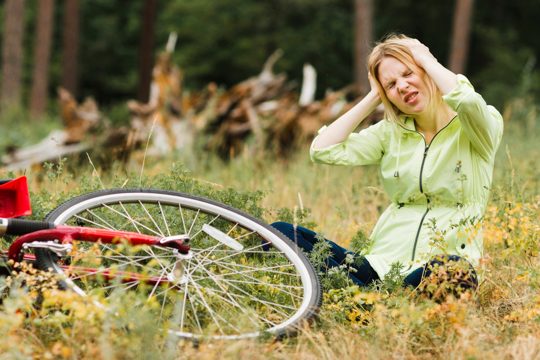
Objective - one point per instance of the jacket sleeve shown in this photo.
(481, 123)
(360, 148)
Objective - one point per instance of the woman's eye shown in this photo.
(408, 73)
(389, 86)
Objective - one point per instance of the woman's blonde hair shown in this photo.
(395, 45)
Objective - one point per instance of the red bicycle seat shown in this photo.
(15, 199)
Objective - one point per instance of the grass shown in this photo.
(501, 320)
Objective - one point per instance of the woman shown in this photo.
(435, 150)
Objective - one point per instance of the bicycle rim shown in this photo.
(241, 279)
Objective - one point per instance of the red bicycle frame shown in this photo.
(67, 234)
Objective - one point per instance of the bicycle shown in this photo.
(215, 271)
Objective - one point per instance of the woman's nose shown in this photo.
(402, 85)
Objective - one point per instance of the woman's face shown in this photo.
(402, 86)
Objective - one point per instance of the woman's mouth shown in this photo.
(411, 97)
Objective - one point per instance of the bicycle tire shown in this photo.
(267, 286)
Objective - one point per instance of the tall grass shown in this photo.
(501, 320)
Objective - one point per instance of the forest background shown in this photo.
(105, 49)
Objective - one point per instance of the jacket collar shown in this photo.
(407, 122)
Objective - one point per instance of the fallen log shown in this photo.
(78, 121)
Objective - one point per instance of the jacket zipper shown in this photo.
(418, 232)
(420, 183)
(422, 167)
(427, 198)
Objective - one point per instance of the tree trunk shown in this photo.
(363, 36)
(70, 70)
(460, 35)
(42, 51)
(12, 52)
(146, 49)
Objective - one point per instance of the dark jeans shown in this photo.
(364, 274)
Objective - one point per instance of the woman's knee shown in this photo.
(452, 274)
(303, 237)
(452, 264)
(286, 229)
(282, 226)
(294, 232)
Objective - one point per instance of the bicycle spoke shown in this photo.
(183, 303)
(215, 291)
(251, 297)
(239, 253)
(152, 219)
(253, 269)
(247, 294)
(243, 236)
(232, 229)
(193, 222)
(233, 302)
(109, 226)
(132, 220)
(208, 308)
(128, 285)
(197, 233)
(157, 283)
(208, 254)
(92, 222)
(277, 287)
(194, 313)
(164, 221)
(146, 249)
(182, 216)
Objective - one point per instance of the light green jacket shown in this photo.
(438, 192)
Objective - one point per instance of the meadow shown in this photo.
(501, 320)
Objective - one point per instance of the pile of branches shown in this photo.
(263, 113)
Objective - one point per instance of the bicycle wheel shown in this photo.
(241, 278)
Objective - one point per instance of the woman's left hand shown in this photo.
(445, 79)
(420, 52)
